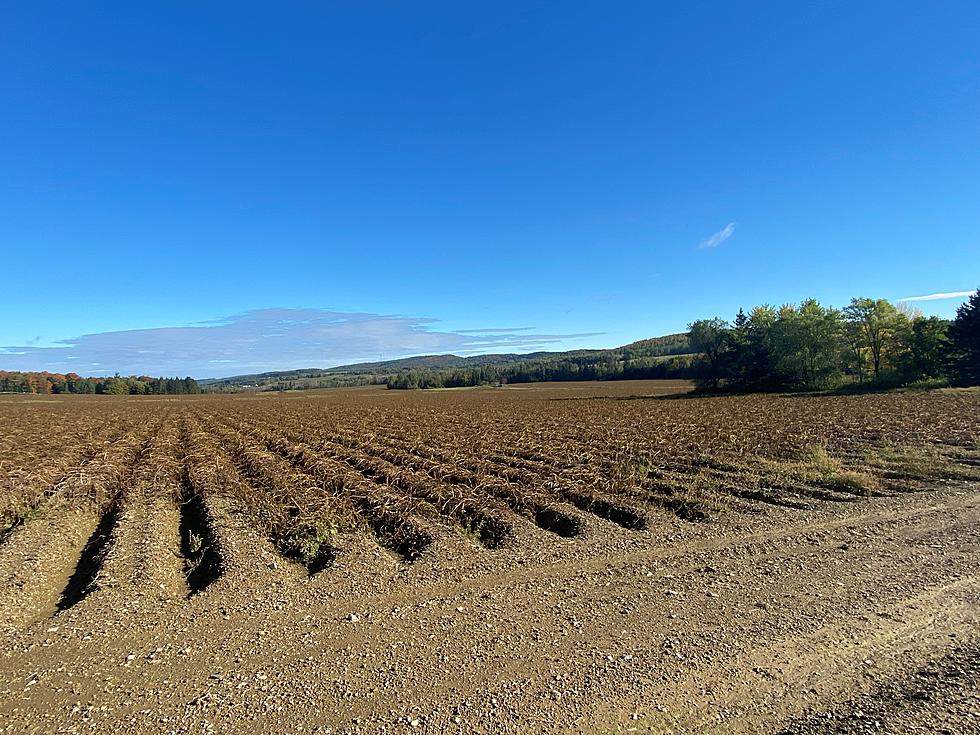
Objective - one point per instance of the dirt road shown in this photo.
(785, 621)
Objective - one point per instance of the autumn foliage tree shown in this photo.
(44, 383)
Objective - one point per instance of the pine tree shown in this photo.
(964, 337)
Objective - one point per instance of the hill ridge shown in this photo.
(361, 373)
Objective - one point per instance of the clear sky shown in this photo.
(215, 188)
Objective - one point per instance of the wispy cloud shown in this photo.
(491, 330)
(940, 296)
(719, 237)
(264, 340)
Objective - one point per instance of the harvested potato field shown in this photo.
(594, 557)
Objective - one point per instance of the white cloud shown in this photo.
(719, 237)
(264, 340)
(940, 296)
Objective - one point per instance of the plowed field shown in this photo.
(559, 558)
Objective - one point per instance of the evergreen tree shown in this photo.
(739, 351)
(964, 338)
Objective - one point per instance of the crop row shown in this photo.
(158, 486)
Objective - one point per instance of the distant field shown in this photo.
(609, 389)
(155, 508)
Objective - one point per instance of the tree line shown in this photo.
(616, 367)
(811, 346)
(53, 383)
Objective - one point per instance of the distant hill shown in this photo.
(437, 369)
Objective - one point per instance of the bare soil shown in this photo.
(843, 618)
(573, 558)
(941, 697)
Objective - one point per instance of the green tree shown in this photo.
(879, 328)
(807, 343)
(758, 364)
(928, 349)
(964, 338)
(739, 350)
(857, 355)
(710, 338)
(115, 386)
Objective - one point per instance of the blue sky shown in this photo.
(217, 188)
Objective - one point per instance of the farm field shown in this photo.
(577, 557)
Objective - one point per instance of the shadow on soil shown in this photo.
(90, 562)
(202, 564)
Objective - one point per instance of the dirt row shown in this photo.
(150, 514)
(480, 562)
(707, 628)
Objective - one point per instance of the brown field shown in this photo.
(592, 557)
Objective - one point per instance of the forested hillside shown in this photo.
(643, 359)
(870, 343)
